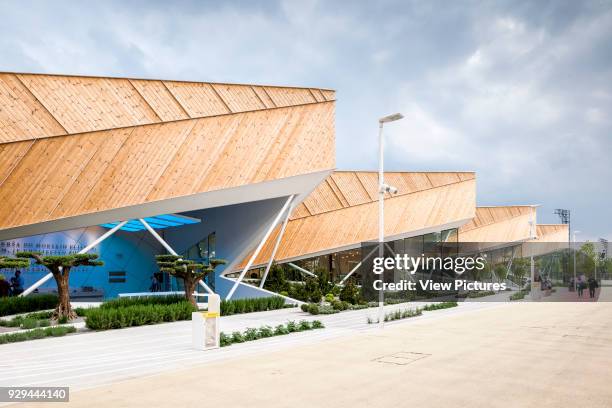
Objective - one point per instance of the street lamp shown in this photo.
(575, 232)
(382, 189)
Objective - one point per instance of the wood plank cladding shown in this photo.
(499, 224)
(326, 231)
(51, 178)
(22, 116)
(157, 95)
(86, 104)
(343, 189)
(552, 233)
(35, 106)
(198, 99)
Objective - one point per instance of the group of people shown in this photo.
(14, 287)
(581, 284)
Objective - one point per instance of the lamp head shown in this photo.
(391, 118)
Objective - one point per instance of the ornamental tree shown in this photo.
(520, 267)
(501, 272)
(60, 266)
(190, 271)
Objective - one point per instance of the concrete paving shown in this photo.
(476, 355)
(96, 358)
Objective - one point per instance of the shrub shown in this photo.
(225, 340)
(518, 295)
(81, 311)
(316, 309)
(36, 334)
(438, 306)
(399, 314)
(28, 323)
(265, 331)
(350, 293)
(238, 306)
(317, 324)
(339, 305)
(313, 309)
(280, 330)
(305, 307)
(291, 327)
(329, 297)
(40, 315)
(145, 300)
(251, 334)
(312, 289)
(17, 304)
(237, 337)
(137, 315)
(304, 325)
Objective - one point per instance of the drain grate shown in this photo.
(401, 358)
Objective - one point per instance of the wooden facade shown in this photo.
(553, 233)
(501, 224)
(72, 146)
(342, 211)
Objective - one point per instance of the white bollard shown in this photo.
(205, 325)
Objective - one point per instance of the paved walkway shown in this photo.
(478, 355)
(97, 358)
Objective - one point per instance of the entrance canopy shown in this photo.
(157, 222)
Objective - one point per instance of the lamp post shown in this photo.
(382, 189)
(575, 232)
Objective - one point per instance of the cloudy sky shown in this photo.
(519, 91)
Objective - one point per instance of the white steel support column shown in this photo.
(260, 246)
(48, 276)
(357, 266)
(306, 271)
(169, 248)
(276, 245)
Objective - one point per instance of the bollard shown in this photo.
(205, 325)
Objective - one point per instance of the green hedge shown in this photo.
(238, 306)
(518, 295)
(251, 334)
(137, 315)
(145, 300)
(36, 334)
(438, 306)
(17, 304)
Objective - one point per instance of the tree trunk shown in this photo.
(190, 285)
(64, 308)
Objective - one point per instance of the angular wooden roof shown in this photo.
(499, 224)
(71, 146)
(342, 211)
(552, 233)
(35, 105)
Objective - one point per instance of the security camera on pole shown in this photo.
(382, 189)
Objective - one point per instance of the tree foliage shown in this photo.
(190, 271)
(60, 266)
(13, 263)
